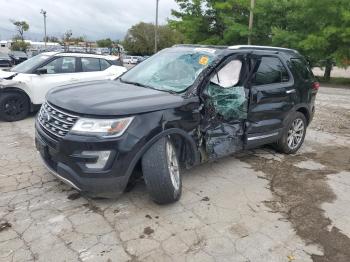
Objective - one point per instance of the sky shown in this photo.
(95, 19)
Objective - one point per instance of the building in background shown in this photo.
(35, 47)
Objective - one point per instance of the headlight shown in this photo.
(102, 127)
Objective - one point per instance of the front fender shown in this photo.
(171, 131)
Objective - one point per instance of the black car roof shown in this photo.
(232, 49)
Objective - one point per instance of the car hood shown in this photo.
(6, 74)
(111, 98)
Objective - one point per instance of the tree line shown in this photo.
(320, 30)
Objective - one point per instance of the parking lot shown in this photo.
(255, 206)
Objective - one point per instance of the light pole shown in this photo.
(156, 29)
(251, 18)
(43, 12)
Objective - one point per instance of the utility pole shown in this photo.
(156, 29)
(43, 12)
(251, 18)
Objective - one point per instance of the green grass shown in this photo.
(336, 81)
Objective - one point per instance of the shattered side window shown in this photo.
(227, 99)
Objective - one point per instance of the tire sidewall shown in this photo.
(283, 143)
(4, 97)
(155, 166)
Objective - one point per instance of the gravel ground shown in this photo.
(255, 206)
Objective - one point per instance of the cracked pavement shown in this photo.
(255, 206)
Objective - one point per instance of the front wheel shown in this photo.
(293, 135)
(14, 106)
(161, 172)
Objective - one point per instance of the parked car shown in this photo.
(183, 106)
(130, 59)
(23, 88)
(5, 60)
(18, 57)
(141, 59)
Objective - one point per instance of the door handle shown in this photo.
(291, 91)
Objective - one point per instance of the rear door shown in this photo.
(272, 96)
(92, 68)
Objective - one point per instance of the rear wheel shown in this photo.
(161, 172)
(293, 135)
(14, 106)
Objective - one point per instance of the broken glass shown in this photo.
(230, 103)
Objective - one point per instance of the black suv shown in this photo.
(183, 106)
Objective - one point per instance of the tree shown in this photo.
(105, 43)
(53, 39)
(212, 21)
(67, 36)
(139, 39)
(19, 45)
(320, 31)
(21, 27)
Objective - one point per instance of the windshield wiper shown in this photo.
(150, 87)
(133, 83)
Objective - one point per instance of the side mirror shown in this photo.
(41, 71)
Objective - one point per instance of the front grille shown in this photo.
(55, 121)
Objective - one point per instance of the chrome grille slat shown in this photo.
(55, 121)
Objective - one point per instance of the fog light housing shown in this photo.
(102, 159)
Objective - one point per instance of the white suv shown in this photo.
(130, 59)
(23, 88)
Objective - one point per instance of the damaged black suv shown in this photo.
(183, 106)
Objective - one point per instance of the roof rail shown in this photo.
(203, 46)
(272, 48)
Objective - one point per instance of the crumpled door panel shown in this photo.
(224, 139)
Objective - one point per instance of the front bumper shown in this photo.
(62, 159)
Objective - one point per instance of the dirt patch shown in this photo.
(196, 246)
(92, 207)
(205, 199)
(334, 157)
(4, 226)
(74, 196)
(148, 231)
(332, 120)
(299, 193)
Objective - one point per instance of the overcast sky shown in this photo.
(94, 19)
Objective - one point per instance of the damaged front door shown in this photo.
(226, 107)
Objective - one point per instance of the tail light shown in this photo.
(316, 85)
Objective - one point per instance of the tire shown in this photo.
(14, 106)
(293, 134)
(161, 172)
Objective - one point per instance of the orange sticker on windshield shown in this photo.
(203, 60)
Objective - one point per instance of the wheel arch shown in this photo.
(305, 111)
(19, 90)
(175, 133)
(301, 108)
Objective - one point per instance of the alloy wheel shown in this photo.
(296, 133)
(173, 165)
(14, 106)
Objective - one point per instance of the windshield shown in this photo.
(173, 69)
(29, 64)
